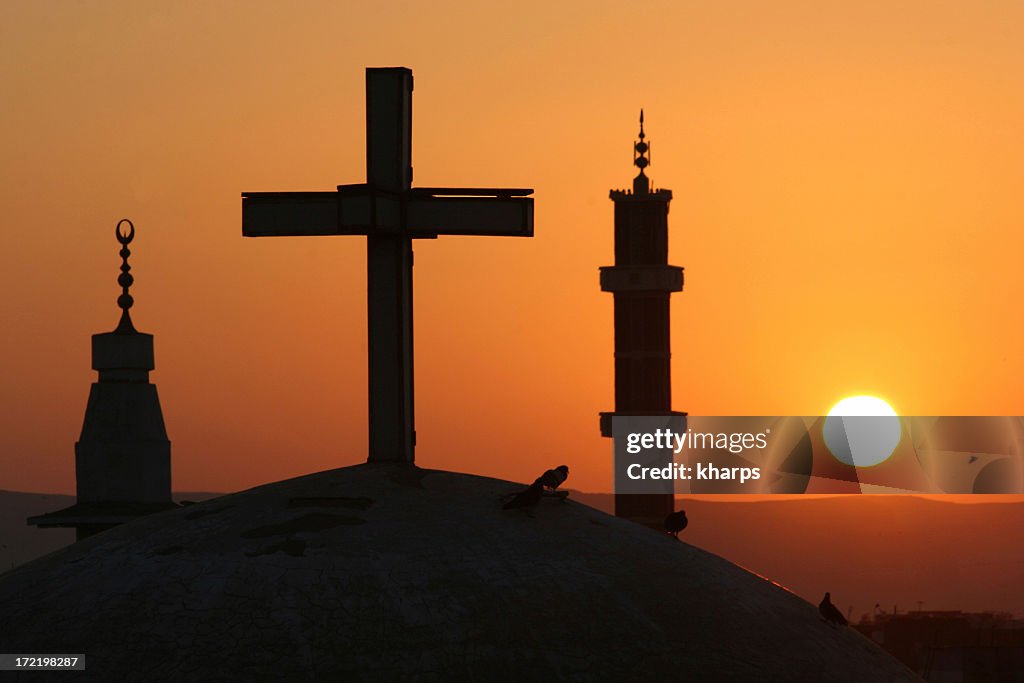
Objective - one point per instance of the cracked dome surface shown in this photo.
(395, 572)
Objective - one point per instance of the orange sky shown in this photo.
(846, 179)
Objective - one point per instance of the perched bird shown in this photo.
(552, 479)
(526, 498)
(676, 522)
(829, 611)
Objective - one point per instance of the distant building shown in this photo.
(952, 646)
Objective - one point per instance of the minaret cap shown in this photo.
(124, 354)
(641, 159)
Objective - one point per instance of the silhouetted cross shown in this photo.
(391, 214)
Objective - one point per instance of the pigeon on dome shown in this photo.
(554, 478)
(676, 522)
(831, 612)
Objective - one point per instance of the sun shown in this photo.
(862, 406)
(862, 431)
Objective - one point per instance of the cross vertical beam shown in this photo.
(391, 213)
(389, 270)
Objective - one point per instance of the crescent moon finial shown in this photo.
(125, 238)
(125, 279)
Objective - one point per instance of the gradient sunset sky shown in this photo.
(847, 180)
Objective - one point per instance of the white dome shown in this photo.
(395, 572)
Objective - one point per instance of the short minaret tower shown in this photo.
(123, 457)
(641, 282)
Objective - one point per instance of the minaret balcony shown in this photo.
(642, 278)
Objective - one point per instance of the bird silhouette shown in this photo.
(552, 479)
(829, 611)
(526, 498)
(676, 522)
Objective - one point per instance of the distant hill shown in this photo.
(20, 543)
(885, 549)
(890, 550)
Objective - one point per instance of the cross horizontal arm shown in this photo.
(471, 191)
(493, 216)
(419, 213)
(271, 214)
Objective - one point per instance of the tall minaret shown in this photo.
(641, 282)
(123, 457)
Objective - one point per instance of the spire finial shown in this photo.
(641, 159)
(125, 279)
